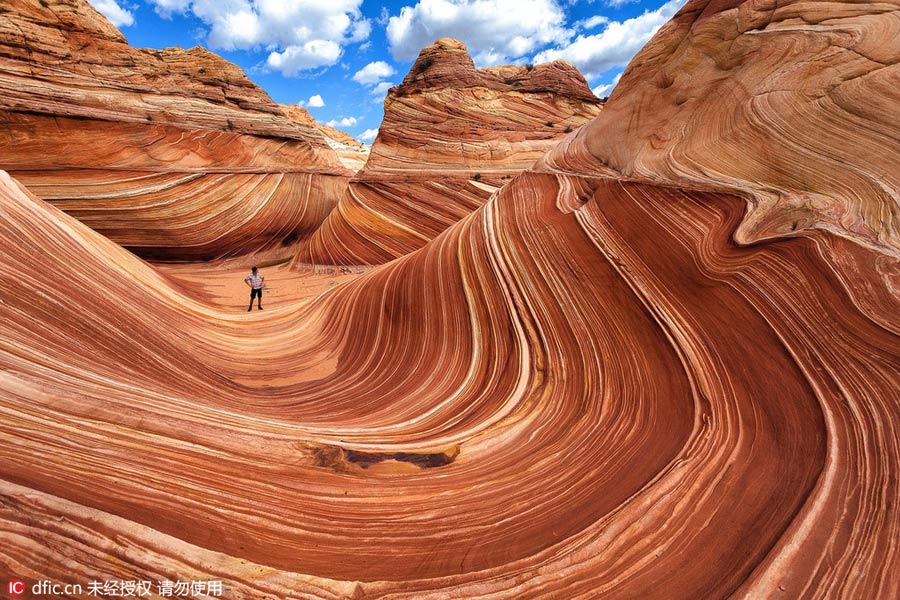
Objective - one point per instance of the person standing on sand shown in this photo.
(255, 282)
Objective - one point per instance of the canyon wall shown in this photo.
(172, 153)
(351, 152)
(663, 363)
(451, 136)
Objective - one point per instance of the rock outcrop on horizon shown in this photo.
(451, 136)
(663, 363)
(351, 152)
(809, 142)
(172, 153)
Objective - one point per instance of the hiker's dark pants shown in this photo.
(255, 294)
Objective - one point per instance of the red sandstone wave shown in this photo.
(451, 136)
(84, 116)
(351, 152)
(592, 386)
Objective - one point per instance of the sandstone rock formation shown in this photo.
(809, 142)
(452, 134)
(602, 383)
(350, 151)
(172, 153)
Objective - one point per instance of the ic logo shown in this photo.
(16, 587)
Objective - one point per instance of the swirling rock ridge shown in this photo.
(451, 136)
(172, 153)
(351, 152)
(620, 377)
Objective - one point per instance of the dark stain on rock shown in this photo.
(421, 460)
(343, 460)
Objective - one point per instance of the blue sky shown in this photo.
(338, 57)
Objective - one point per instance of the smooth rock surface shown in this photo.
(172, 153)
(451, 136)
(351, 152)
(595, 385)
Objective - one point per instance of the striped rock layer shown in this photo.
(174, 154)
(451, 136)
(351, 152)
(621, 377)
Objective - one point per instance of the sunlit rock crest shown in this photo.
(628, 375)
(452, 135)
(351, 152)
(174, 153)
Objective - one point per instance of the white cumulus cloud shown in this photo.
(299, 34)
(343, 122)
(604, 89)
(311, 55)
(381, 88)
(495, 31)
(380, 91)
(166, 8)
(368, 135)
(373, 72)
(361, 30)
(592, 22)
(615, 45)
(313, 102)
(117, 15)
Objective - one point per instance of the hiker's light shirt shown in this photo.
(255, 280)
